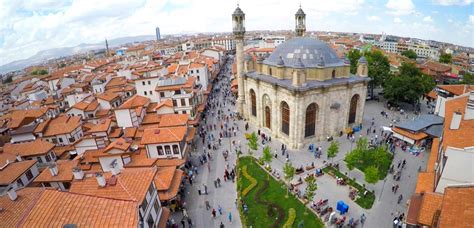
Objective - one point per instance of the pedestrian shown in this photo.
(221, 225)
(208, 206)
(213, 212)
(399, 164)
(185, 213)
(219, 208)
(215, 183)
(205, 189)
(219, 181)
(393, 187)
(229, 215)
(190, 222)
(183, 223)
(199, 191)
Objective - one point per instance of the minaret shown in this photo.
(300, 22)
(238, 22)
(106, 48)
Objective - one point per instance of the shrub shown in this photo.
(252, 180)
(291, 218)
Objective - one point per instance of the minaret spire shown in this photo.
(106, 48)
(300, 22)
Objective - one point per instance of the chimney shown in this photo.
(78, 173)
(455, 120)
(53, 168)
(100, 179)
(12, 194)
(469, 114)
(115, 170)
(18, 157)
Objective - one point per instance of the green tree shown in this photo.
(252, 143)
(311, 188)
(408, 86)
(289, 172)
(371, 174)
(379, 69)
(267, 155)
(467, 79)
(354, 56)
(333, 149)
(445, 58)
(409, 54)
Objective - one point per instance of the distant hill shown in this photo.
(44, 55)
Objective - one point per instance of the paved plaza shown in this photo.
(380, 215)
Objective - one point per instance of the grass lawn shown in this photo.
(363, 201)
(258, 213)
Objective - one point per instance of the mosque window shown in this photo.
(310, 122)
(285, 118)
(253, 101)
(333, 73)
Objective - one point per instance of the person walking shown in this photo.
(208, 206)
(229, 215)
(213, 212)
(219, 208)
(185, 213)
(221, 225)
(205, 189)
(219, 181)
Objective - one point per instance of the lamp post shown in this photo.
(384, 180)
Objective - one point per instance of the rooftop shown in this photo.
(164, 135)
(37, 147)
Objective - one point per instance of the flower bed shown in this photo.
(252, 180)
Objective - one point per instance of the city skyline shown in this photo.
(29, 27)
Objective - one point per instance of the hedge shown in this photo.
(291, 218)
(253, 181)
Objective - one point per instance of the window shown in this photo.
(150, 190)
(145, 93)
(175, 149)
(144, 205)
(175, 104)
(156, 205)
(168, 150)
(60, 140)
(333, 73)
(151, 92)
(310, 121)
(177, 92)
(46, 184)
(192, 71)
(19, 182)
(29, 175)
(197, 71)
(149, 82)
(285, 118)
(39, 159)
(190, 101)
(66, 185)
(71, 140)
(150, 221)
(253, 101)
(162, 94)
(160, 150)
(91, 115)
(143, 82)
(183, 102)
(270, 71)
(48, 158)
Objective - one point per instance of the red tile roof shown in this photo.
(13, 211)
(164, 135)
(37, 147)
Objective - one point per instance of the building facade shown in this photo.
(302, 92)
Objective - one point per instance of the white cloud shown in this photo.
(471, 19)
(453, 2)
(450, 20)
(400, 7)
(428, 19)
(397, 20)
(373, 18)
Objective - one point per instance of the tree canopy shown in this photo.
(311, 187)
(445, 58)
(253, 142)
(408, 86)
(371, 175)
(363, 157)
(468, 79)
(39, 72)
(267, 155)
(410, 54)
(379, 69)
(333, 149)
(354, 56)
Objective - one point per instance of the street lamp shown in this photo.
(384, 180)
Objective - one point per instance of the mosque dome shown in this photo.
(304, 50)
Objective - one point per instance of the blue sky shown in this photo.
(27, 27)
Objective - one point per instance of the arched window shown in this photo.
(310, 122)
(285, 118)
(353, 109)
(253, 101)
(270, 71)
(333, 73)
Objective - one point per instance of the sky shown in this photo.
(27, 27)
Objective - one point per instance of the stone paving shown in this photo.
(380, 215)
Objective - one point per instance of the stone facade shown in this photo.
(329, 121)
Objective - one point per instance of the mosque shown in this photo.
(302, 92)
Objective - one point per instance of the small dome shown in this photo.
(280, 62)
(311, 52)
(362, 59)
(238, 11)
(300, 12)
(299, 64)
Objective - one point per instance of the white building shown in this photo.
(132, 112)
(165, 142)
